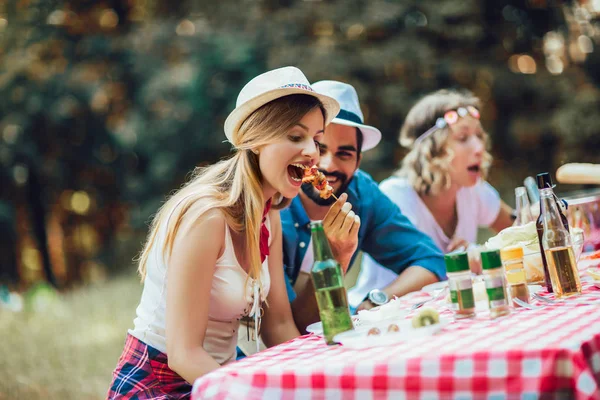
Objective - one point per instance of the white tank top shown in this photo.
(229, 302)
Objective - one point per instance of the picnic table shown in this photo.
(548, 352)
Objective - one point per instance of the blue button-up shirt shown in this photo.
(385, 233)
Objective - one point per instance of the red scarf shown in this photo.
(264, 234)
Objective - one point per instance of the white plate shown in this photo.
(357, 321)
(316, 328)
(435, 286)
(394, 309)
(359, 338)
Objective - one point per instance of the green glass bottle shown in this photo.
(328, 281)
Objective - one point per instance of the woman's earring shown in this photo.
(255, 152)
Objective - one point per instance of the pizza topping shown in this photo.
(319, 181)
(296, 171)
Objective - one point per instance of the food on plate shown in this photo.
(387, 334)
(512, 236)
(318, 180)
(374, 331)
(425, 317)
(526, 237)
(392, 328)
(391, 309)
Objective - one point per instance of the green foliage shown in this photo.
(122, 99)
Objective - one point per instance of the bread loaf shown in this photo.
(579, 174)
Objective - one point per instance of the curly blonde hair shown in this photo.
(427, 165)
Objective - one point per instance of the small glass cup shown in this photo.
(523, 208)
(474, 255)
(577, 239)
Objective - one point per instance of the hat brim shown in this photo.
(239, 115)
(371, 135)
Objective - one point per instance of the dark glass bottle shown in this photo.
(544, 183)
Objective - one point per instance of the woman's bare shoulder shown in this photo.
(198, 218)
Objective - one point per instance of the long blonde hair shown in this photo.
(233, 185)
(427, 165)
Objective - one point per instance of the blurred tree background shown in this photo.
(108, 105)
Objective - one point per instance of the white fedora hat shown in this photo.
(270, 86)
(350, 113)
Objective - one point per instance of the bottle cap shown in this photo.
(316, 225)
(456, 262)
(490, 259)
(544, 180)
(511, 253)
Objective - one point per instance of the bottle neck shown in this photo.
(548, 203)
(322, 250)
(523, 208)
(522, 202)
(555, 231)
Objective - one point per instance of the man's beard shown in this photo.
(312, 193)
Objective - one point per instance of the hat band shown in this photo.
(349, 116)
(298, 86)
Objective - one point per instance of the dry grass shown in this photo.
(68, 351)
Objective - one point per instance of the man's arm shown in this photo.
(303, 301)
(395, 243)
(304, 306)
(341, 226)
(504, 219)
(411, 279)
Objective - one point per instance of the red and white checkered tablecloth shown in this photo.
(552, 352)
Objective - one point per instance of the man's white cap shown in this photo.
(350, 113)
(270, 86)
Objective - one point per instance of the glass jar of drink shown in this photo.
(460, 284)
(495, 283)
(516, 279)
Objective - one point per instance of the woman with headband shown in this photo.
(441, 185)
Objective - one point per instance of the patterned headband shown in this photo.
(449, 118)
